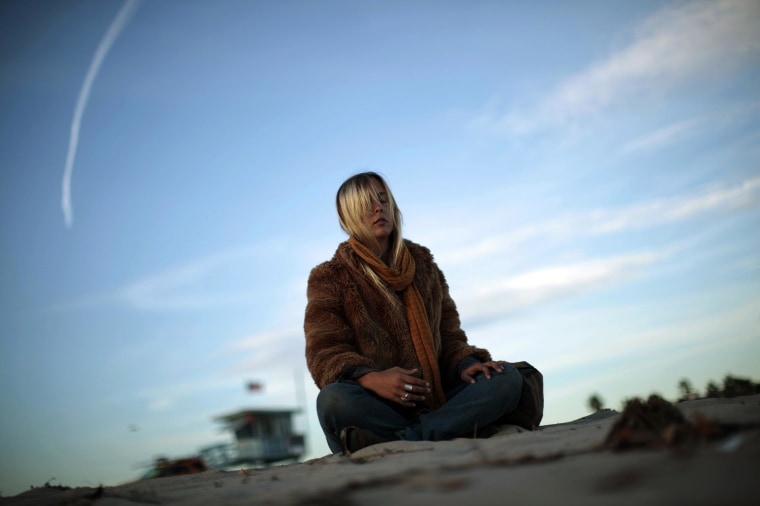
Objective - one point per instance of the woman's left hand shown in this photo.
(468, 375)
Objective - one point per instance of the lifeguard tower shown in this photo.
(262, 437)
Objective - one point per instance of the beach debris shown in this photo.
(656, 423)
(164, 467)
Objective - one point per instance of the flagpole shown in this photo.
(301, 400)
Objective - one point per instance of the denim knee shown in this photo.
(513, 383)
(331, 402)
(333, 398)
(505, 387)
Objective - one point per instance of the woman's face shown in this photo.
(379, 219)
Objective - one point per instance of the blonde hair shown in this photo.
(354, 201)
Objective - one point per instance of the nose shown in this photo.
(376, 207)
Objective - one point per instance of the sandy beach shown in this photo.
(712, 458)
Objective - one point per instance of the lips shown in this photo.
(380, 221)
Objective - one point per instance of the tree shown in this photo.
(712, 390)
(735, 387)
(595, 403)
(686, 391)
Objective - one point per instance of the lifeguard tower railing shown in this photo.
(262, 437)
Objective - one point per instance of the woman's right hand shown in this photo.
(392, 384)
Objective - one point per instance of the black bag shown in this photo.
(530, 407)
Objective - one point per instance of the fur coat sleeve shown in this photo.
(350, 322)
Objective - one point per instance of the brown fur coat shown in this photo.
(350, 322)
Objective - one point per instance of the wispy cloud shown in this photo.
(664, 136)
(167, 396)
(268, 348)
(266, 357)
(263, 339)
(488, 291)
(679, 131)
(228, 277)
(277, 380)
(121, 20)
(694, 41)
(164, 396)
(504, 297)
(219, 279)
(672, 210)
(718, 197)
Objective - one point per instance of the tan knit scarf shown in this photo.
(401, 279)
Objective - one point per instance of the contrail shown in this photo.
(117, 25)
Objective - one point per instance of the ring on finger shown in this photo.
(404, 398)
(408, 387)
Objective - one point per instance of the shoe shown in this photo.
(353, 439)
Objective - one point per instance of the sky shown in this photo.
(587, 175)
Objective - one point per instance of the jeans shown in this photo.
(468, 407)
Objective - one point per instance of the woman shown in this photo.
(383, 337)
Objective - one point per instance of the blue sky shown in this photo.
(587, 175)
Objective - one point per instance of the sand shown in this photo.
(557, 464)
